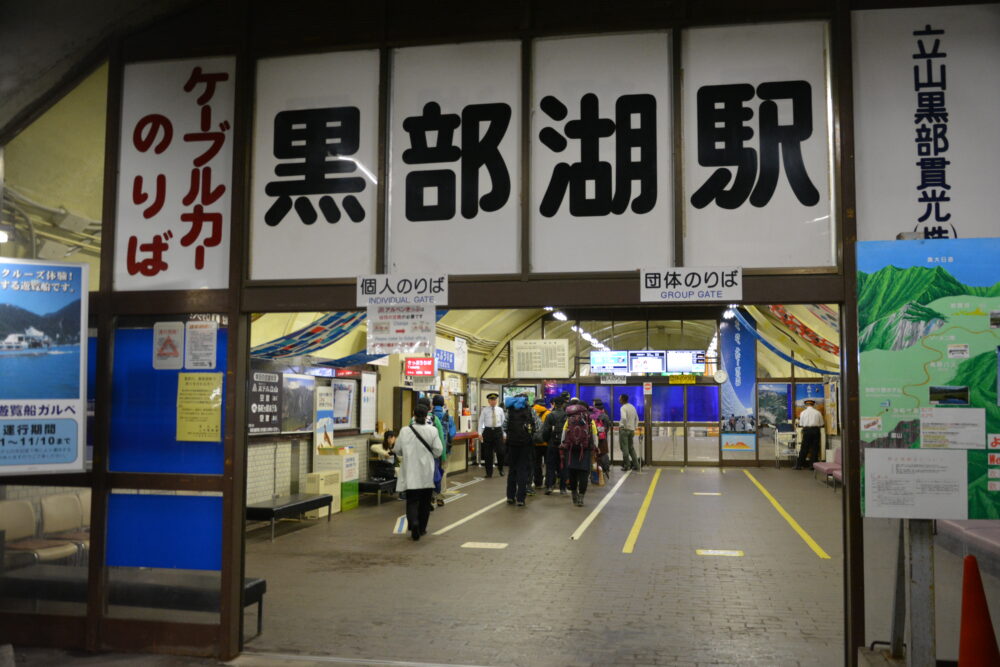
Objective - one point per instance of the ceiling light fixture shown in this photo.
(559, 315)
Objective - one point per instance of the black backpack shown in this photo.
(520, 427)
(554, 426)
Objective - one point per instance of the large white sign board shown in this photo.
(692, 284)
(601, 170)
(175, 175)
(916, 483)
(903, 153)
(539, 358)
(455, 159)
(315, 162)
(757, 141)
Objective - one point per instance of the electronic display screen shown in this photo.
(614, 362)
(686, 361)
(647, 361)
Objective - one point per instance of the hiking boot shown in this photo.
(562, 492)
(530, 492)
(520, 503)
(579, 500)
(501, 472)
(510, 501)
(548, 490)
(576, 498)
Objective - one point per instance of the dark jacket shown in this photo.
(552, 428)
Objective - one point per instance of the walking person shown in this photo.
(811, 421)
(448, 432)
(627, 425)
(522, 425)
(552, 431)
(603, 424)
(538, 451)
(419, 446)
(579, 443)
(491, 423)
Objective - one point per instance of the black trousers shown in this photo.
(518, 471)
(418, 508)
(810, 445)
(492, 446)
(578, 480)
(553, 468)
(537, 459)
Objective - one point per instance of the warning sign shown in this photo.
(168, 345)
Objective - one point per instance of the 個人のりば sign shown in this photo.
(399, 289)
(692, 284)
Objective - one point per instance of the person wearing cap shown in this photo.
(491, 422)
(811, 421)
(552, 430)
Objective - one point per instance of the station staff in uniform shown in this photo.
(811, 420)
(491, 421)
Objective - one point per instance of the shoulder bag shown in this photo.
(437, 468)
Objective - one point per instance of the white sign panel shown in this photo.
(454, 158)
(916, 483)
(757, 157)
(315, 159)
(402, 289)
(369, 401)
(401, 329)
(952, 428)
(175, 175)
(927, 149)
(601, 169)
(168, 345)
(461, 355)
(692, 284)
(539, 358)
(200, 346)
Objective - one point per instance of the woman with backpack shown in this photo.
(579, 443)
(603, 424)
(419, 446)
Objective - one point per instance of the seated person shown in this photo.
(386, 465)
(383, 450)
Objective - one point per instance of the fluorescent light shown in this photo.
(559, 315)
(549, 308)
(4, 236)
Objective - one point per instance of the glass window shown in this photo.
(53, 181)
(703, 403)
(668, 403)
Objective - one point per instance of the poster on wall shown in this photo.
(297, 403)
(175, 175)
(43, 366)
(199, 407)
(831, 407)
(324, 426)
(774, 403)
(918, 300)
(315, 159)
(543, 358)
(512, 390)
(264, 411)
(739, 442)
(401, 329)
(455, 158)
(809, 391)
(168, 345)
(926, 147)
(757, 158)
(738, 358)
(345, 397)
(601, 152)
(369, 402)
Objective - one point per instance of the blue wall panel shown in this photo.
(182, 532)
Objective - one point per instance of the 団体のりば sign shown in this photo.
(683, 284)
(43, 363)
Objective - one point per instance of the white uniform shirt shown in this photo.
(629, 417)
(811, 417)
(491, 417)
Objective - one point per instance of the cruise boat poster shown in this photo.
(43, 357)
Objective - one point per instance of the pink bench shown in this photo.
(830, 470)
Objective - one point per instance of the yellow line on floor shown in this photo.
(469, 518)
(641, 517)
(788, 517)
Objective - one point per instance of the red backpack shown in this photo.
(577, 435)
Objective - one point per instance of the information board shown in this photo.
(647, 361)
(929, 334)
(547, 358)
(612, 362)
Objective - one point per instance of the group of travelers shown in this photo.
(541, 448)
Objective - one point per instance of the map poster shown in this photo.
(928, 333)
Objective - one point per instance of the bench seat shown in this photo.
(286, 507)
(158, 588)
(377, 487)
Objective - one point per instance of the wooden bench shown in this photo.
(377, 487)
(286, 507)
(157, 588)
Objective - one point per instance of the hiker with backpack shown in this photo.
(522, 425)
(552, 431)
(603, 424)
(579, 443)
(538, 451)
(448, 433)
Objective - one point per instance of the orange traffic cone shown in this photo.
(977, 645)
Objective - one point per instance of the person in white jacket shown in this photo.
(418, 445)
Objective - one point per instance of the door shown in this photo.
(685, 425)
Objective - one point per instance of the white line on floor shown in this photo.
(474, 480)
(484, 545)
(300, 659)
(470, 517)
(600, 506)
(400, 526)
(448, 497)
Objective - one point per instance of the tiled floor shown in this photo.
(353, 592)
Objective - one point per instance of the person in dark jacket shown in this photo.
(522, 425)
(603, 423)
(538, 451)
(579, 443)
(552, 434)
